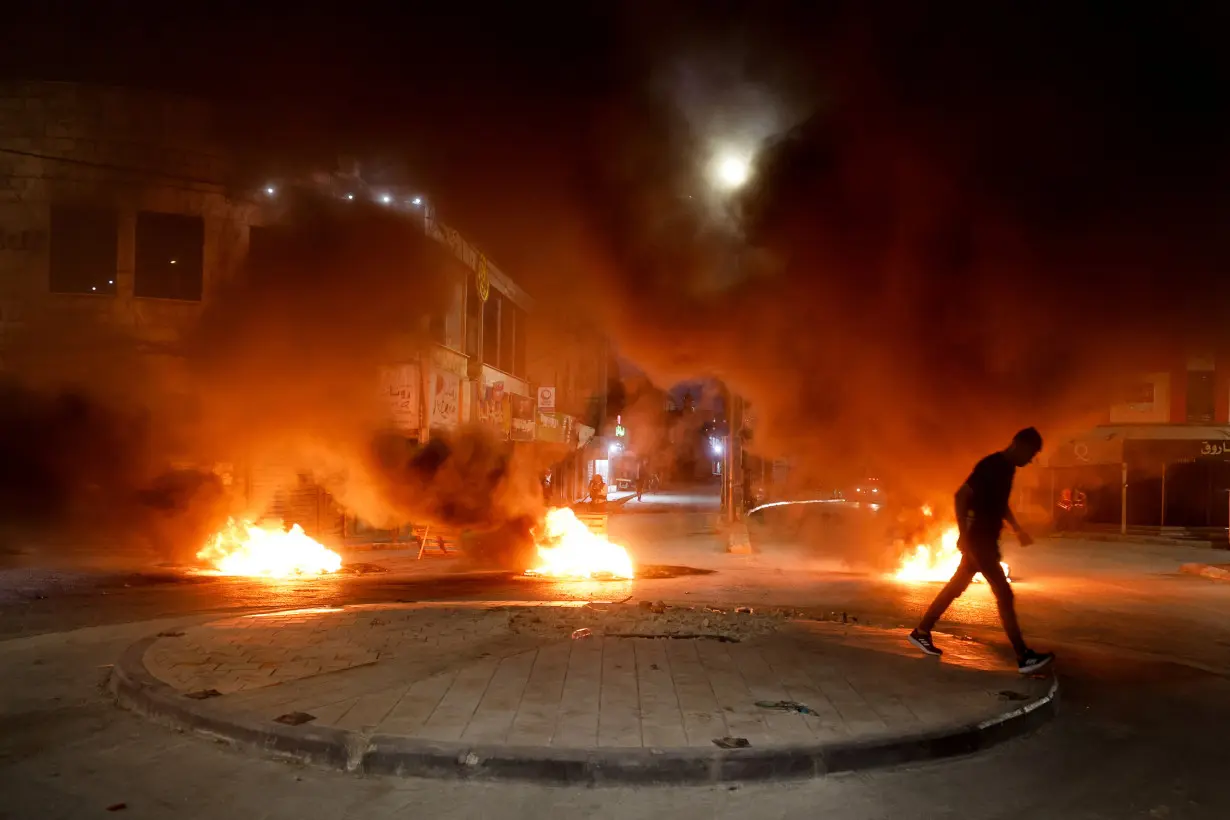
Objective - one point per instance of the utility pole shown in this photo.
(732, 468)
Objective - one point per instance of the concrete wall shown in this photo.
(69, 144)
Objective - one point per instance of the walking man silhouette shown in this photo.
(982, 509)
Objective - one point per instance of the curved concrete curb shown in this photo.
(136, 689)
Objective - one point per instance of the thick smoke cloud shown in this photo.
(962, 220)
(281, 369)
(987, 219)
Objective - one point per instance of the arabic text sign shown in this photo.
(493, 412)
(1215, 448)
(555, 427)
(446, 399)
(399, 385)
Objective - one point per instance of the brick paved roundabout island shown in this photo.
(643, 694)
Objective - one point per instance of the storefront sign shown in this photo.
(546, 399)
(445, 400)
(399, 386)
(1215, 448)
(522, 418)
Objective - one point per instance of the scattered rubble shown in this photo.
(731, 742)
(646, 619)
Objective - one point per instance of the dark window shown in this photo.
(1201, 399)
(491, 329)
(508, 337)
(170, 251)
(519, 336)
(445, 324)
(83, 250)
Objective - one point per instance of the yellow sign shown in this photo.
(481, 279)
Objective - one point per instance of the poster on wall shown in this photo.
(522, 417)
(555, 427)
(399, 387)
(493, 412)
(445, 399)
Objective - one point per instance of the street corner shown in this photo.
(1214, 572)
(639, 692)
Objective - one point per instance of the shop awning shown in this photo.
(1105, 445)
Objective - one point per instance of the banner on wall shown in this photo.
(399, 387)
(493, 411)
(445, 399)
(522, 417)
(557, 428)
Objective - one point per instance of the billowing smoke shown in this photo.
(281, 370)
(986, 219)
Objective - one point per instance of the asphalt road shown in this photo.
(1143, 663)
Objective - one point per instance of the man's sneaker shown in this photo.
(923, 641)
(1033, 661)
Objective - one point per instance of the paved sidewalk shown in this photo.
(650, 693)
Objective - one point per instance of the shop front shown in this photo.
(1147, 476)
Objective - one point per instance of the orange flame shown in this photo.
(242, 548)
(936, 561)
(568, 549)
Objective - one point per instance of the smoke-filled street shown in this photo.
(627, 409)
(1141, 664)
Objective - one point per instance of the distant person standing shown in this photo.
(640, 479)
(982, 509)
(597, 489)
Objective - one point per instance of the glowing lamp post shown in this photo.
(729, 172)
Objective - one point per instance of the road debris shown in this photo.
(731, 742)
(202, 694)
(786, 706)
(1008, 694)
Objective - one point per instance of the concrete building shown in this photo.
(114, 207)
(119, 209)
(495, 363)
(1161, 457)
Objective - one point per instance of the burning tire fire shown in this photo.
(568, 549)
(244, 549)
(936, 561)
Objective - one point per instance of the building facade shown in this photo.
(1160, 458)
(495, 363)
(114, 207)
(119, 209)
